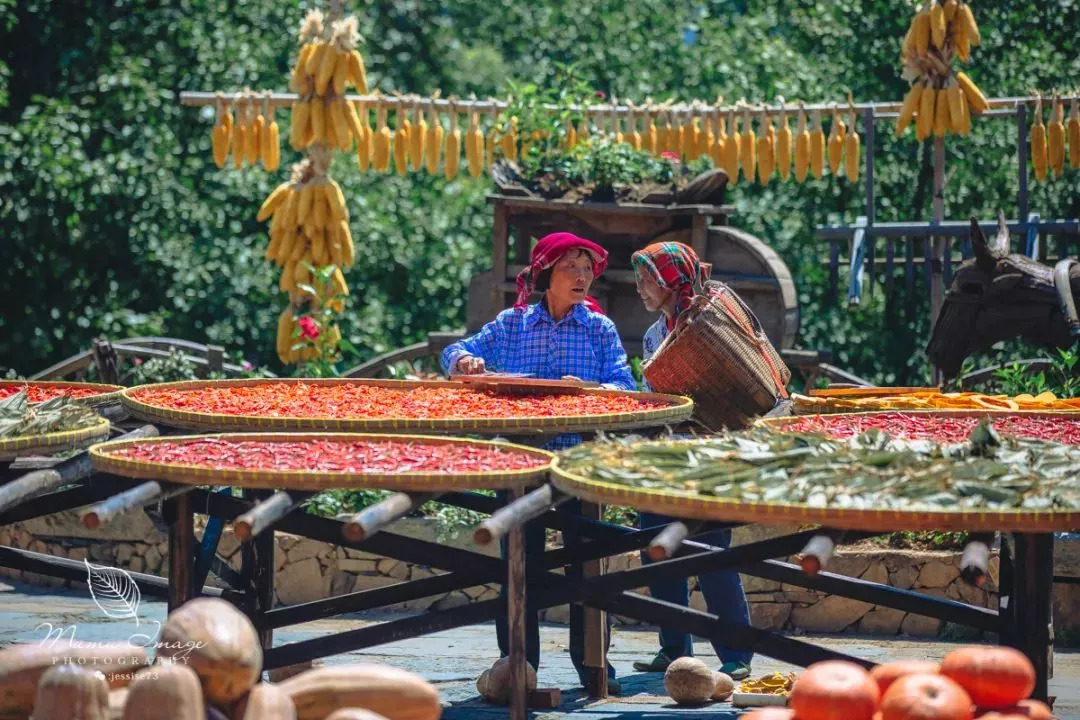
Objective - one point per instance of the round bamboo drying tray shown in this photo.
(803, 408)
(675, 409)
(780, 423)
(314, 480)
(55, 442)
(702, 507)
(862, 392)
(106, 393)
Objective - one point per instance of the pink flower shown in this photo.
(309, 328)
(246, 366)
(668, 155)
(138, 361)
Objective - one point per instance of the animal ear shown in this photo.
(983, 256)
(1002, 243)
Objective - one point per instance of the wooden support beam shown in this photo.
(375, 517)
(517, 513)
(267, 512)
(138, 496)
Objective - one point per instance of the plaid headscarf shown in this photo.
(674, 267)
(547, 252)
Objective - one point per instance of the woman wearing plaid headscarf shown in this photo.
(566, 334)
(668, 274)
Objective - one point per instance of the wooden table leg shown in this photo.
(181, 549)
(257, 567)
(515, 616)
(595, 624)
(1033, 582)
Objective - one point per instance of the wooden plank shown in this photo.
(515, 616)
(595, 660)
(608, 208)
(499, 238)
(1031, 599)
(181, 549)
(699, 228)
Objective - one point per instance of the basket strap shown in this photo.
(744, 320)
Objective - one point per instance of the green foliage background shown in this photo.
(113, 218)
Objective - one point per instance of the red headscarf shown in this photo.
(547, 252)
(674, 267)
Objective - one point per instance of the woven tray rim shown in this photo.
(697, 507)
(678, 408)
(109, 394)
(103, 461)
(818, 410)
(50, 443)
(778, 423)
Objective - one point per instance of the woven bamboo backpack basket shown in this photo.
(718, 354)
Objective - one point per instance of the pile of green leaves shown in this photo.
(872, 471)
(19, 418)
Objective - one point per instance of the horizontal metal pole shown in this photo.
(949, 228)
(1004, 106)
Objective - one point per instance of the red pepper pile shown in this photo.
(362, 402)
(332, 456)
(938, 429)
(41, 393)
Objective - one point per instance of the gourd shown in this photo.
(723, 688)
(994, 677)
(689, 681)
(494, 683)
(397, 694)
(69, 692)
(170, 691)
(265, 702)
(219, 643)
(834, 690)
(924, 696)
(886, 674)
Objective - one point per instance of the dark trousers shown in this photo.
(723, 593)
(534, 548)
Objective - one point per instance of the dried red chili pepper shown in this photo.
(390, 456)
(939, 429)
(357, 401)
(41, 393)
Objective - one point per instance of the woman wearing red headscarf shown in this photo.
(668, 274)
(566, 334)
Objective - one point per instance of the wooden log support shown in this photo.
(817, 553)
(517, 513)
(179, 515)
(1032, 590)
(374, 518)
(596, 626)
(665, 544)
(515, 612)
(975, 562)
(267, 512)
(138, 496)
(42, 481)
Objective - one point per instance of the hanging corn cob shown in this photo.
(453, 145)
(381, 153)
(817, 147)
(474, 145)
(401, 139)
(675, 134)
(802, 146)
(748, 146)
(491, 141)
(651, 140)
(692, 136)
(941, 113)
(221, 134)
(708, 133)
(924, 122)
(1039, 160)
(765, 148)
(417, 133)
(836, 142)
(253, 138)
(617, 135)
(719, 147)
(239, 136)
(365, 142)
(270, 147)
(1073, 133)
(732, 148)
(909, 107)
(582, 133)
(851, 146)
(783, 144)
(1055, 137)
(635, 135)
(434, 141)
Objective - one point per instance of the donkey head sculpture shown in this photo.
(999, 296)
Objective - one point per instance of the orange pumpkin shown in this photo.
(1023, 710)
(994, 677)
(886, 674)
(925, 696)
(834, 690)
(769, 713)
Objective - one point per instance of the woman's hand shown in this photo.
(469, 365)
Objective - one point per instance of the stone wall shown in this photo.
(309, 570)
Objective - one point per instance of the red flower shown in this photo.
(668, 155)
(600, 95)
(309, 328)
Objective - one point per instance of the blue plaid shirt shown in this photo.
(584, 344)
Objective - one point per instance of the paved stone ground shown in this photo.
(454, 659)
